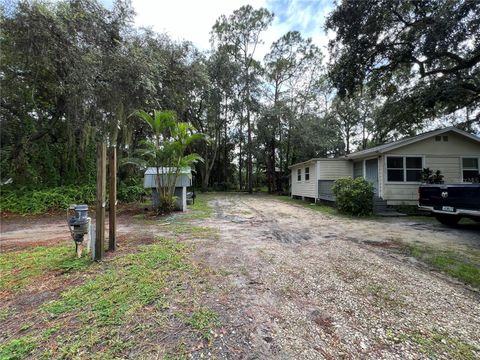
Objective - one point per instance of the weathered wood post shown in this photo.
(100, 206)
(112, 199)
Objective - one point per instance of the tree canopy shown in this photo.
(423, 57)
(73, 71)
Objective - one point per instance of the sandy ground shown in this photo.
(20, 232)
(304, 285)
(293, 283)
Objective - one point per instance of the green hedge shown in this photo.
(353, 196)
(24, 201)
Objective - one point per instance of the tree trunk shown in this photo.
(249, 154)
(225, 150)
(287, 153)
(210, 162)
(240, 163)
(249, 141)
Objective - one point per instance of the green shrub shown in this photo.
(27, 201)
(24, 201)
(353, 196)
(130, 193)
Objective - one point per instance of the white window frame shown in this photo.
(305, 173)
(299, 175)
(404, 168)
(461, 166)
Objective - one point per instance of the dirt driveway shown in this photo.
(289, 282)
(300, 284)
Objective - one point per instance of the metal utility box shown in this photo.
(184, 179)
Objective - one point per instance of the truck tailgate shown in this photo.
(461, 196)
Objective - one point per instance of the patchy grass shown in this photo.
(90, 318)
(18, 348)
(19, 269)
(201, 209)
(436, 344)
(202, 320)
(5, 313)
(192, 231)
(324, 209)
(119, 305)
(458, 265)
(181, 224)
(330, 210)
(383, 296)
(131, 282)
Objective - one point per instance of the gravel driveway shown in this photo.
(299, 284)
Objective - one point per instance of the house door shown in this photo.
(371, 173)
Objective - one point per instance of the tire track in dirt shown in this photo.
(327, 292)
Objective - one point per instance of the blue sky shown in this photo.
(193, 19)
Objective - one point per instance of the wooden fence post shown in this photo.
(100, 206)
(112, 199)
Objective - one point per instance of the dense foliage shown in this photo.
(420, 58)
(353, 196)
(28, 201)
(73, 71)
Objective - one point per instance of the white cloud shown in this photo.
(186, 20)
(193, 19)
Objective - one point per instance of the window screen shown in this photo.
(470, 170)
(395, 168)
(414, 168)
(404, 168)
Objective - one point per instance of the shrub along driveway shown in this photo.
(249, 277)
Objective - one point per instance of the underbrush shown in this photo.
(457, 265)
(28, 201)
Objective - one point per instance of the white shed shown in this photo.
(184, 179)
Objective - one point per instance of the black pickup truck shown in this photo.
(450, 202)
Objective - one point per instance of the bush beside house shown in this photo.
(353, 196)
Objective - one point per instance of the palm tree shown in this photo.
(166, 152)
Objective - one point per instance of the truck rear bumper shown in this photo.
(458, 212)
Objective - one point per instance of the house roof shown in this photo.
(394, 145)
(407, 141)
(343, 158)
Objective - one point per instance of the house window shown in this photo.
(445, 138)
(395, 168)
(413, 168)
(438, 138)
(470, 170)
(299, 175)
(404, 168)
(307, 173)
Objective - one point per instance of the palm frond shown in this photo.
(140, 163)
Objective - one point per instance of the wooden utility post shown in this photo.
(100, 206)
(112, 199)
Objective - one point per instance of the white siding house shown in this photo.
(394, 169)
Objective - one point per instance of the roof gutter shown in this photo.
(304, 162)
